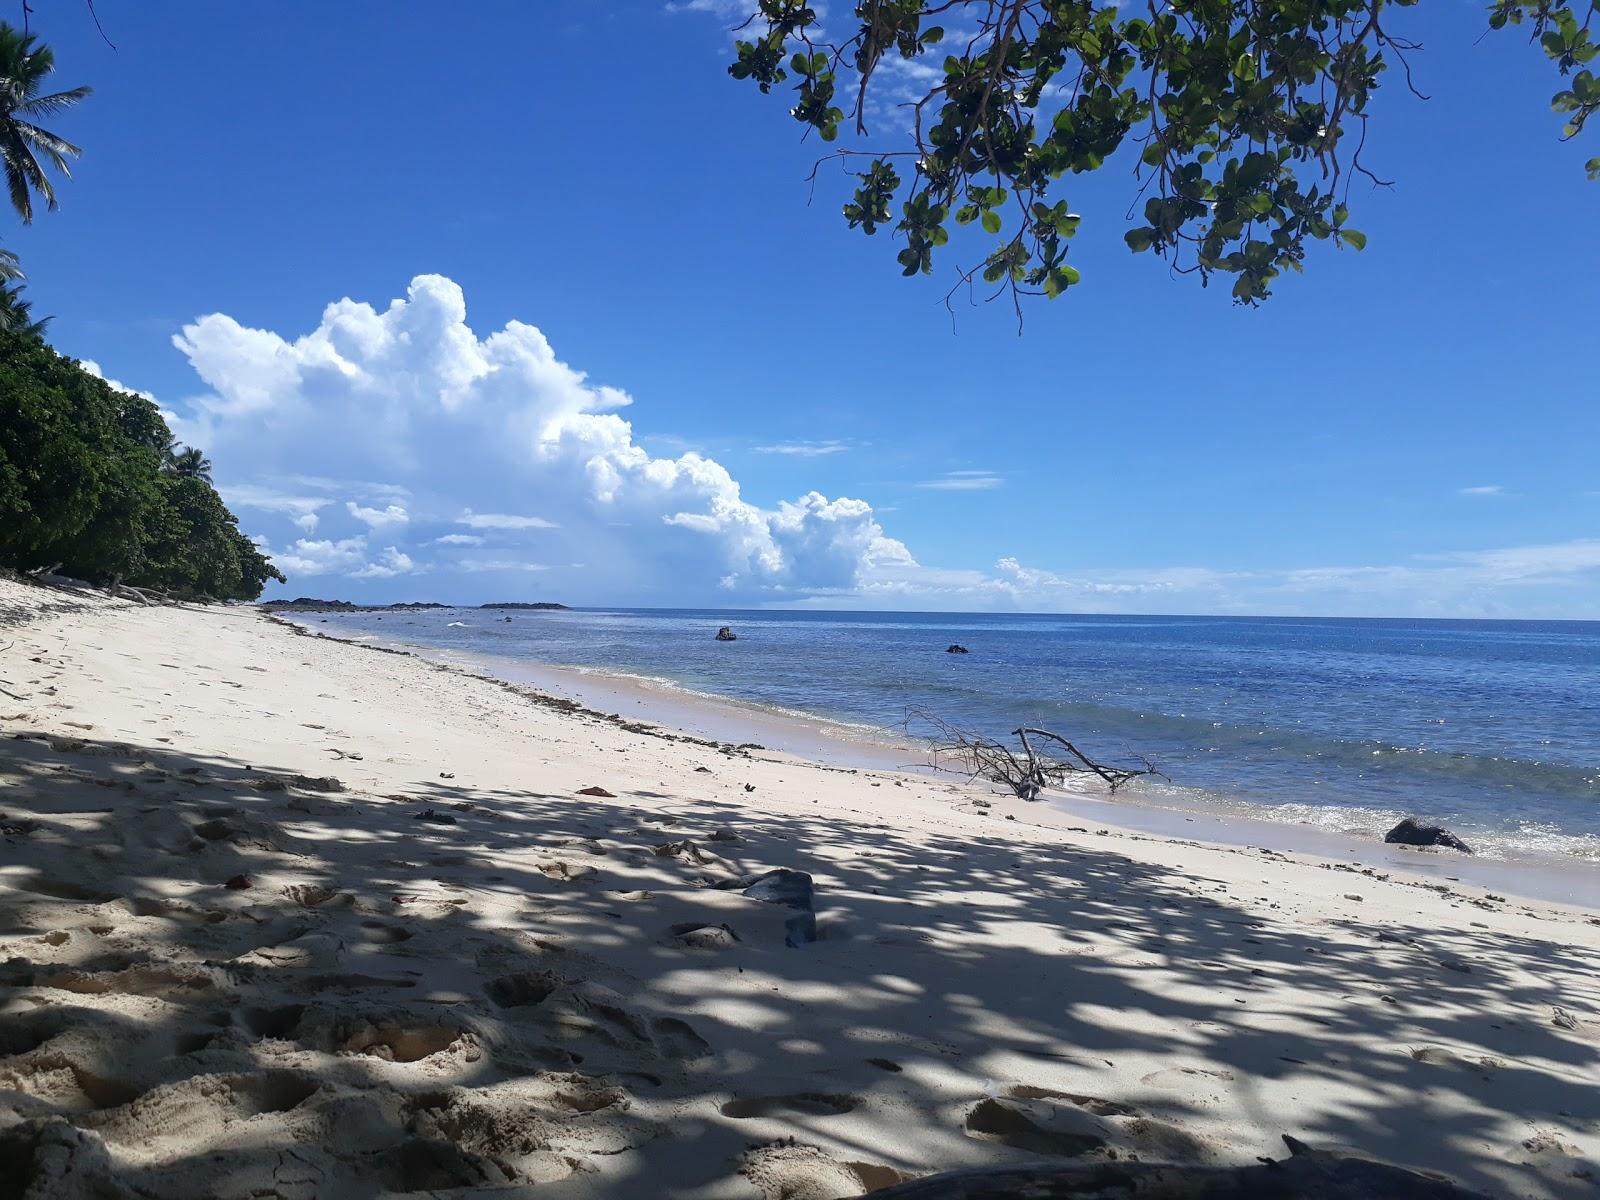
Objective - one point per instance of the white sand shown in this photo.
(534, 1000)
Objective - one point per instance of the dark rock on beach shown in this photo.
(726, 635)
(957, 648)
(791, 889)
(1411, 832)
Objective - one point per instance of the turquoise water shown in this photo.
(1491, 727)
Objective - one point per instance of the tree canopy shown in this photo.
(1245, 119)
(88, 480)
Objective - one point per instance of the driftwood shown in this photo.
(48, 577)
(1306, 1175)
(141, 595)
(1028, 772)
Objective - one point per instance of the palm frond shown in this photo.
(17, 186)
(46, 141)
(40, 106)
(23, 170)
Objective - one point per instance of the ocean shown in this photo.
(1489, 727)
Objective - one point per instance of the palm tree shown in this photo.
(191, 464)
(24, 64)
(16, 314)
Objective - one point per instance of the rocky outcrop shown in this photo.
(1411, 832)
(957, 648)
(726, 635)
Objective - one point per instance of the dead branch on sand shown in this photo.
(1026, 773)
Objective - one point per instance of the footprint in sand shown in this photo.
(802, 1104)
(403, 1043)
(526, 989)
(1035, 1128)
(786, 1171)
(164, 982)
(461, 1139)
(1067, 1125)
(278, 1023)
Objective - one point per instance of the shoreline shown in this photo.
(273, 897)
(1552, 878)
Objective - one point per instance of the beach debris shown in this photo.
(749, 787)
(1028, 773)
(597, 791)
(1306, 1174)
(790, 889)
(1411, 832)
(1562, 1019)
(566, 872)
(16, 826)
(957, 648)
(238, 883)
(725, 634)
(702, 770)
(687, 848)
(433, 817)
(726, 835)
(303, 783)
(696, 935)
(447, 774)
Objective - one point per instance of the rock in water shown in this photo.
(1410, 832)
(957, 648)
(791, 889)
(726, 635)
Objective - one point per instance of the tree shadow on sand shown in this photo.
(317, 993)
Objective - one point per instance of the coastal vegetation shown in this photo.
(1244, 121)
(92, 481)
(93, 484)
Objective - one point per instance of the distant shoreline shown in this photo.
(310, 604)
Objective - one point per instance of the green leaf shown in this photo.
(991, 222)
(931, 35)
(1244, 68)
(1139, 239)
(1355, 237)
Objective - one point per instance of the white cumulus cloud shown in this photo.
(485, 431)
(389, 563)
(387, 517)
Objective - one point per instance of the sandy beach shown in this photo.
(286, 916)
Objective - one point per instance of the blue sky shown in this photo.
(636, 367)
